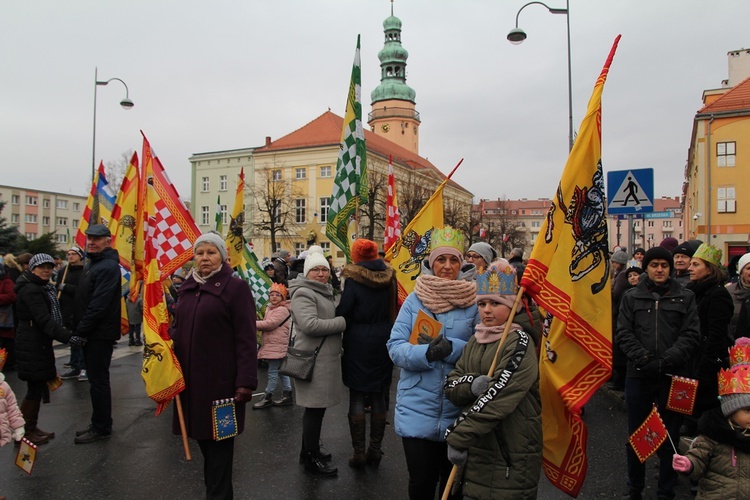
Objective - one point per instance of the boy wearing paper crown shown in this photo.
(498, 436)
(720, 455)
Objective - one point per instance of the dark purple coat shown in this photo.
(214, 340)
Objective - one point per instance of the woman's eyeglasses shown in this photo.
(472, 256)
(320, 270)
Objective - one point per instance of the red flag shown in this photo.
(682, 395)
(649, 436)
(392, 217)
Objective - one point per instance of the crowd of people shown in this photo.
(466, 347)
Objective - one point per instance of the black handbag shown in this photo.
(299, 364)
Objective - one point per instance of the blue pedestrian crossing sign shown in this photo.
(630, 191)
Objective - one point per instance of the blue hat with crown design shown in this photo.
(498, 283)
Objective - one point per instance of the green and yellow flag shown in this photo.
(350, 186)
(235, 239)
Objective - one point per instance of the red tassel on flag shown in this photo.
(682, 395)
(649, 436)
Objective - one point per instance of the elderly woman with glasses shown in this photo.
(317, 326)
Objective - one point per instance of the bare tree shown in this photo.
(412, 196)
(458, 215)
(504, 230)
(115, 170)
(274, 204)
(375, 207)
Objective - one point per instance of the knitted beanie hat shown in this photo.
(744, 260)
(485, 250)
(364, 250)
(658, 253)
(619, 257)
(214, 239)
(669, 243)
(77, 250)
(685, 248)
(314, 259)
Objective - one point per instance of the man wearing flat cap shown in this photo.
(96, 318)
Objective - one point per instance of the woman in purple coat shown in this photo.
(214, 340)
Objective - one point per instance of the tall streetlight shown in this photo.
(517, 36)
(126, 104)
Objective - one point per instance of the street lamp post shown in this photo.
(126, 104)
(517, 36)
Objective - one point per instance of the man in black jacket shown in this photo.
(97, 319)
(658, 330)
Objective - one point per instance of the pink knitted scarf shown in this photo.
(490, 334)
(440, 295)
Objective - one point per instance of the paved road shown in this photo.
(144, 460)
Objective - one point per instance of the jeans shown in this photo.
(77, 359)
(273, 377)
(357, 402)
(98, 357)
(640, 395)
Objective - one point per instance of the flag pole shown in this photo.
(62, 281)
(183, 431)
(506, 330)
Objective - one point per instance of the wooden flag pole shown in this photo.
(181, 417)
(506, 330)
(65, 273)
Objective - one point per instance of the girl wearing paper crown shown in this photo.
(498, 437)
(275, 339)
(720, 456)
(715, 309)
(432, 328)
(11, 419)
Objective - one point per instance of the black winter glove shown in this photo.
(439, 348)
(651, 369)
(76, 340)
(480, 384)
(457, 457)
(424, 339)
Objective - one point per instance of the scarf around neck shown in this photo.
(490, 334)
(202, 280)
(51, 292)
(441, 295)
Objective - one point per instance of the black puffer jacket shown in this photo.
(36, 330)
(97, 301)
(67, 285)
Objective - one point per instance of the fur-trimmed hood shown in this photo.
(372, 274)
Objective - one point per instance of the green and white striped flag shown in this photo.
(350, 185)
(219, 220)
(260, 284)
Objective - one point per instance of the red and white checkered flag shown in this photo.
(392, 217)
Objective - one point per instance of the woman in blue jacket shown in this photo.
(446, 292)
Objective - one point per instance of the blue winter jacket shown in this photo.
(422, 410)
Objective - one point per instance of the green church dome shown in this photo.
(393, 58)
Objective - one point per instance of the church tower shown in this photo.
(393, 114)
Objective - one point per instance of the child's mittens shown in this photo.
(681, 463)
(18, 434)
(457, 457)
(480, 384)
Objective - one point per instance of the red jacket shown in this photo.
(7, 297)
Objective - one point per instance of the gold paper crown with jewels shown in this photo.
(736, 380)
(495, 282)
(447, 237)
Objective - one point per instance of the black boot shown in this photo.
(377, 430)
(30, 411)
(314, 465)
(138, 338)
(358, 429)
(266, 402)
(131, 340)
(286, 399)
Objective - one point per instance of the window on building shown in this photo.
(536, 223)
(300, 173)
(299, 248)
(725, 154)
(45, 203)
(30, 218)
(62, 204)
(276, 248)
(224, 214)
(62, 221)
(277, 211)
(31, 200)
(61, 238)
(76, 206)
(300, 215)
(325, 205)
(45, 221)
(326, 246)
(30, 236)
(667, 223)
(205, 215)
(205, 185)
(276, 175)
(15, 199)
(725, 200)
(325, 171)
(75, 223)
(223, 184)
(14, 218)
(650, 223)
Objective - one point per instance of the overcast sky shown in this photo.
(208, 76)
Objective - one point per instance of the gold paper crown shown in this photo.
(709, 253)
(447, 237)
(495, 282)
(3, 357)
(734, 381)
